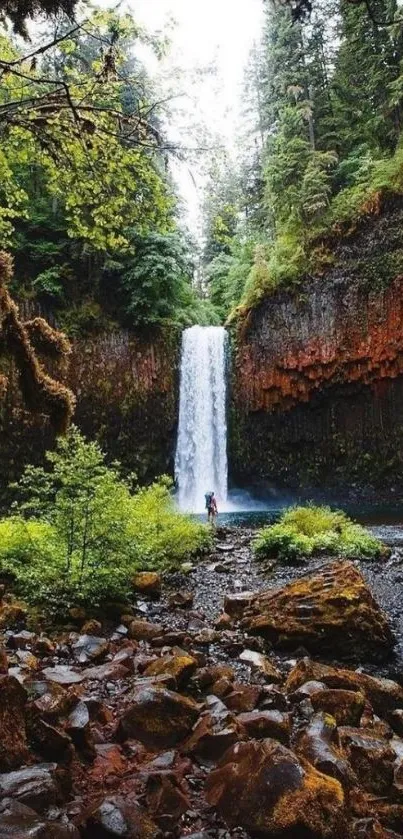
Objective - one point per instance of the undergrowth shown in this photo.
(311, 531)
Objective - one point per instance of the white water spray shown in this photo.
(201, 454)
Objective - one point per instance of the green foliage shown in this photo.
(309, 531)
(78, 532)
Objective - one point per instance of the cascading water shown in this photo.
(201, 453)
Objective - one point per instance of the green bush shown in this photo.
(310, 531)
(79, 532)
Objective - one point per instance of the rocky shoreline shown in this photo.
(211, 709)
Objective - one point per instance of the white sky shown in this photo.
(204, 32)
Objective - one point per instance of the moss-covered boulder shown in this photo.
(264, 788)
(158, 717)
(331, 610)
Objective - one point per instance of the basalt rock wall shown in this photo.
(127, 392)
(317, 396)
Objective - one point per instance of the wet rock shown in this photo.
(371, 757)
(166, 799)
(330, 610)
(90, 648)
(13, 745)
(3, 661)
(62, 675)
(261, 664)
(318, 742)
(264, 788)
(243, 697)
(181, 600)
(180, 666)
(212, 736)
(383, 694)
(346, 706)
(235, 604)
(35, 786)
(158, 717)
(262, 724)
(118, 817)
(112, 671)
(142, 630)
(20, 822)
(147, 583)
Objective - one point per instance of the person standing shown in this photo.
(211, 506)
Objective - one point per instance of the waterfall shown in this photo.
(201, 453)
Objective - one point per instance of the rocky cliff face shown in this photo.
(318, 369)
(127, 391)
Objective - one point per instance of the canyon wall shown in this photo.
(317, 399)
(127, 392)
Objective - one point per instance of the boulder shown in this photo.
(13, 744)
(181, 600)
(331, 610)
(212, 736)
(371, 757)
(158, 717)
(383, 694)
(90, 648)
(20, 822)
(260, 725)
(318, 742)
(235, 604)
(147, 583)
(264, 788)
(166, 799)
(35, 786)
(142, 630)
(243, 697)
(180, 666)
(120, 817)
(62, 675)
(261, 664)
(208, 675)
(346, 706)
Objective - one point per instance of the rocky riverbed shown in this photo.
(232, 700)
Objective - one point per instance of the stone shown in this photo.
(3, 661)
(211, 737)
(62, 675)
(223, 621)
(44, 646)
(92, 627)
(371, 757)
(90, 648)
(346, 706)
(318, 742)
(262, 724)
(20, 640)
(180, 666)
(235, 604)
(166, 799)
(243, 697)
(261, 664)
(20, 822)
(205, 677)
(112, 671)
(51, 742)
(396, 720)
(13, 743)
(206, 637)
(142, 630)
(35, 786)
(12, 615)
(181, 600)
(120, 817)
(78, 728)
(147, 583)
(158, 717)
(383, 694)
(331, 610)
(262, 787)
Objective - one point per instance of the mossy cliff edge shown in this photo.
(317, 390)
(127, 392)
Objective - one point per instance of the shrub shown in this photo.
(309, 531)
(79, 532)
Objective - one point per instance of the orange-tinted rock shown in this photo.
(264, 788)
(318, 742)
(12, 615)
(92, 627)
(332, 609)
(260, 663)
(346, 706)
(208, 675)
(383, 694)
(243, 697)
(142, 630)
(371, 757)
(147, 583)
(158, 717)
(211, 737)
(262, 724)
(13, 744)
(181, 667)
(120, 816)
(181, 600)
(166, 799)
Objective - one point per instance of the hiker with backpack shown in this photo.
(211, 506)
